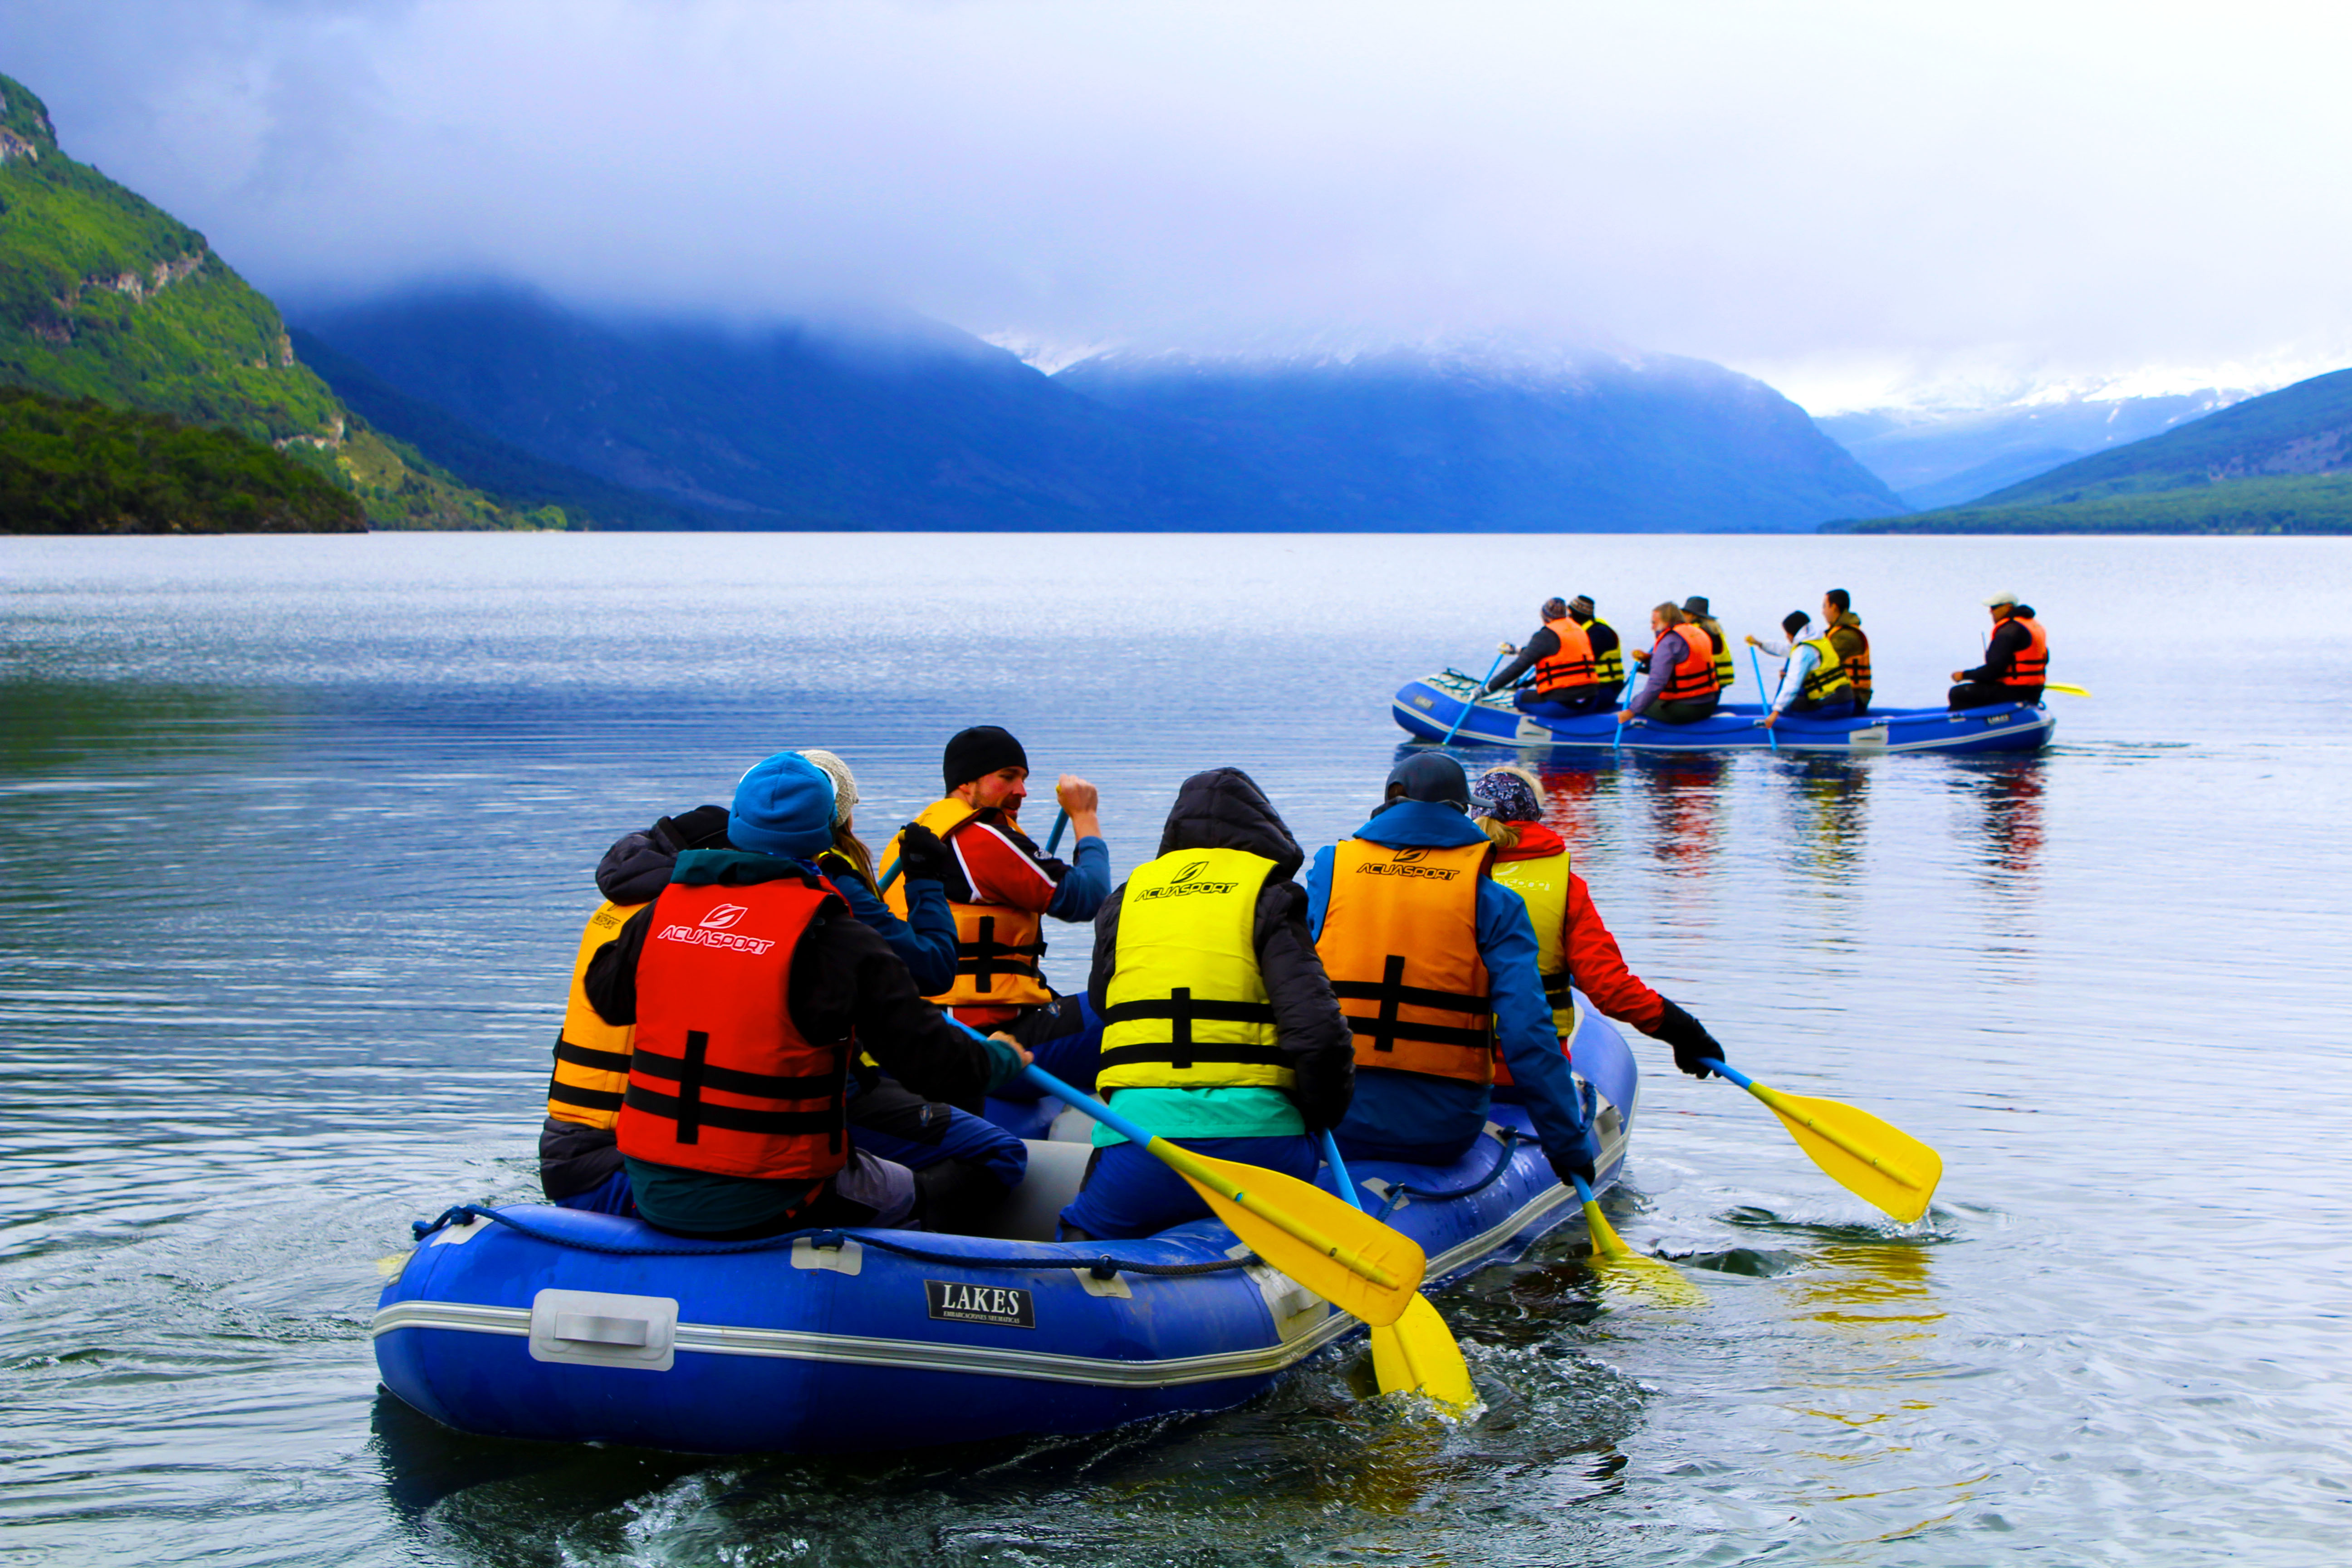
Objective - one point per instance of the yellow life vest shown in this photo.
(1187, 1005)
(1724, 667)
(1400, 942)
(1609, 669)
(1829, 676)
(997, 946)
(1542, 885)
(591, 1057)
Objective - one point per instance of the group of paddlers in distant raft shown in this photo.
(1576, 664)
(765, 1036)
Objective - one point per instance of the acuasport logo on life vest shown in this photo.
(1407, 863)
(1187, 881)
(717, 931)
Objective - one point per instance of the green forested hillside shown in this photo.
(2312, 504)
(80, 466)
(104, 295)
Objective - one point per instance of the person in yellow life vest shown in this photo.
(2017, 659)
(579, 1155)
(1566, 664)
(752, 988)
(1000, 887)
(1573, 947)
(1219, 1031)
(1843, 628)
(1680, 687)
(1435, 964)
(1695, 613)
(1813, 681)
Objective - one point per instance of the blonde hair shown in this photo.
(1505, 835)
(1671, 613)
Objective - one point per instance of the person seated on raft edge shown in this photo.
(1843, 628)
(2016, 660)
(750, 984)
(1000, 888)
(1221, 1031)
(1681, 679)
(1573, 947)
(1566, 655)
(1813, 679)
(963, 1164)
(1695, 613)
(1436, 970)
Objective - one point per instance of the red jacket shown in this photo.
(1594, 964)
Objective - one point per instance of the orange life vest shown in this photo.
(1400, 942)
(2029, 668)
(721, 1079)
(997, 946)
(591, 1057)
(1572, 665)
(1854, 644)
(1694, 678)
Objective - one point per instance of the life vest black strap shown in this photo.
(1183, 1010)
(692, 1116)
(1387, 1032)
(731, 1080)
(985, 958)
(585, 1056)
(1556, 988)
(1391, 992)
(564, 1093)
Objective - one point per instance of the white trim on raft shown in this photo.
(985, 1361)
(1422, 722)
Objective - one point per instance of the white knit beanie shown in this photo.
(845, 782)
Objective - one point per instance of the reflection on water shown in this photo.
(1828, 804)
(2008, 799)
(1685, 800)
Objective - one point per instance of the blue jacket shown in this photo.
(1402, 1111)
(925, 940)
(1081, 892)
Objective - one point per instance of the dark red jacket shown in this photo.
(1594, 964)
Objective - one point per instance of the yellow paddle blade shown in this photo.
(1660, 1281)
(1883, 1165)
(1339, 1252)
(1417, 1353)
(2069, 691)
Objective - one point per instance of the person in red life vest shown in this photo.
(752, 988)
(1435, 965)
(1565, 655)
(2017, 659)
(1573, 947)
(1682, 687)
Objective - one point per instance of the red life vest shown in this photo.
(1694, 678)
(720, 1078)
(1572, 665)
(2033, 664)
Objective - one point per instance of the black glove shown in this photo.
(704, 828)
(1692, 1045)
(1581, 1155)
(921, 855)
(1326, 1084)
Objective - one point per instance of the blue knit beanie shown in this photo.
(782, 806)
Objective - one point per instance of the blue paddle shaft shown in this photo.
(1756, 665)
(1472, 700)
(1086, 1102)
(1734, 1074)
(1053, 839)
(1583, 1187)
(1340, 1176)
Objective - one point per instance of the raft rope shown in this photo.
(1398, 1193)
(1103, 1267)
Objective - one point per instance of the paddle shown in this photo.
(2061, 686)
(1416, 1352)
(1883, 1165)
(1053, 842)
(1340, 1253)
(1472, 700)
(1642, 1271)
(1756, 665)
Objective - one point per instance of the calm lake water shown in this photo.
(298, 837)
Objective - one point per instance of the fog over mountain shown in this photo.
(1801, 193)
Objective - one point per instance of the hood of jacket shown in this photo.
(1224, 809)
(638, 868)
(1537, 842)
(1426, 824)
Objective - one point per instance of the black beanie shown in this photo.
(979, 751)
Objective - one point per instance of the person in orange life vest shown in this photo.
(2016, 660)
(964, 1164)
(1435, 964)
(1561, 653)
(1574, 946)
(1681, 686)
(579, 1157)
(1224, 1035)
(1843, 628)
(752, 988)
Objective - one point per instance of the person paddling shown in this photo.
(1566, 679)
(1813, 679)
(1681, 687)
(1435, 964)
(749, 985)
(1573, 947)
(1219, 1032)
(2017, 659)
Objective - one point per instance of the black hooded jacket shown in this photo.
(1224, 809)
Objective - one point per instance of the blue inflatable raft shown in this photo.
(531, 1321)
(1427, 707)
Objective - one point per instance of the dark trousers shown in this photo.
(1564, 702)
(1988, 694)
(1839, 706)
(1861, 702)
(1680, 713)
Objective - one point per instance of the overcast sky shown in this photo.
(1829, 195)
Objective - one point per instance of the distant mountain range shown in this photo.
(911, 425)
(2281, 463)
